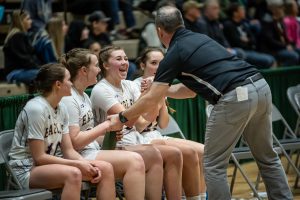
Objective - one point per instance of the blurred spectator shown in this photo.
(126, 7)
(77, 35)
(192, 15)
(99, 34)
(93, 46)
(1, 12)
(98, 28)
(84, 7)
(21, 63)
(148, 5)
(40, 12)
(149, 36)
(274, 39)
(56, 30)
(210, 25)
(238, 33)
(258, 9)
(291, 23)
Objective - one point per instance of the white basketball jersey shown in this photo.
(80, 114)
(104, 96)
(138, 81)
(38, 120)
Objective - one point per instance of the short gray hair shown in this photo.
(169, 18)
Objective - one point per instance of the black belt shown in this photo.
(248, 80)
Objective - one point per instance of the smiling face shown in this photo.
(152, 61)
(117, 66)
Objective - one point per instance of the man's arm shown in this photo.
(180, 91)
(148, 102)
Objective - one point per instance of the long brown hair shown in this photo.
(16, 24)
(55, 31)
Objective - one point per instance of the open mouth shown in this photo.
(123, 70)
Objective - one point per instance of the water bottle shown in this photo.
(110, 140)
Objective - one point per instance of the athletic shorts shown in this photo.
(153, 135)
(89, 154)
(134, 137)
(22, 169)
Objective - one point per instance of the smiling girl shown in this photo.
(114, 94)
(128, 166)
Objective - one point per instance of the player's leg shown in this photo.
(106, 186)
(128, 166)
(154, 169)
(199, 148)
(172, 159)
(57, 176)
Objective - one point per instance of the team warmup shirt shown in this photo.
(202, 65)
(39, 121)
(80, 114)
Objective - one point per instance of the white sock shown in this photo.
(203, 196)
(194, 198)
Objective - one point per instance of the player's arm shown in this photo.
(163, 117)
(139, 122)
(80, 139)
(67, 148)
(40, 157)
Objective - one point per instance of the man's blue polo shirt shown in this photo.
(202, 65)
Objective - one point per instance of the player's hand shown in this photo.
(119, 135)
(146, 84)
(113, 124)
(97, 177)
(87, 169)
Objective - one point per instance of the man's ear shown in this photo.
(159, 32)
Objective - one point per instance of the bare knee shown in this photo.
(152, 156)
(190, 157)
(73, 176)
(136, 162)
(174, 157)
(200, 151)
(106, 169)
